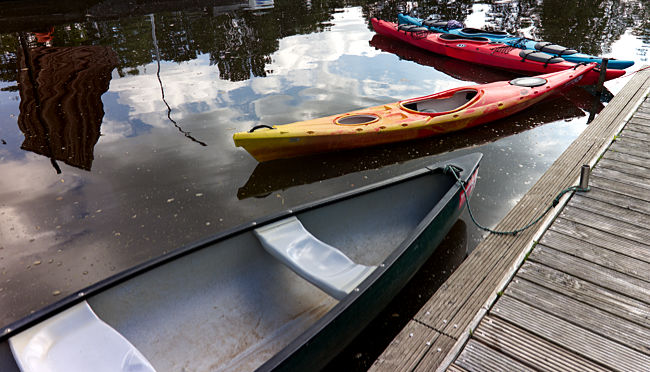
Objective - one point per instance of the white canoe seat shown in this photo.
(321, 264)
(76, 340)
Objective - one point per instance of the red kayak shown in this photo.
(482, 51)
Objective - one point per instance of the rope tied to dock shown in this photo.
(451, 169)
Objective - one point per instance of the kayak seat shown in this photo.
(539, 57)
(319, 263)
(433, 105)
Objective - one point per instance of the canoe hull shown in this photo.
(514, 41)
(331, 334)
(177, 299)
(484, 52)
(396, 122)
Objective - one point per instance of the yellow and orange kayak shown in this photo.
(438, 113)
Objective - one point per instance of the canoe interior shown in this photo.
(443, 103)
(232, 306)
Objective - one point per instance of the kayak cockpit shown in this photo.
(442, 103)
(455, 38)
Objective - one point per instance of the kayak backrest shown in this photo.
(547, 47)
(453, 37)
(321, 264)
(444, 104)
(532, 55)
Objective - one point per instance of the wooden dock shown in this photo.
(572, 295)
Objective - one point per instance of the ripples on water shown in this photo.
(116, 124)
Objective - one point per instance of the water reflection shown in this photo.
(222, 68)
(285, 173)
(60, 100)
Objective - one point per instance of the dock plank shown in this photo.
(642, 173)
(569, 336)
(589, 293)
(621, 177)
(605, 208)
(637, 126)
(585, 270)
(617, 187)
(535, 351)
(601, 256)
(636, 135)
(471, 289)
(438, 351)
(404, 353)
(627, 158)
(622, 198)
(626, 146)
(602, 239)
(456, 368)
(573, 311)
(477, 357)
(612, 226)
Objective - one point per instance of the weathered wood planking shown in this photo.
(640, 161)
(436, 353)
(618, 176)
(585, 270)
(539, 353)
(459, 302)
(626, 146)
(590, 293)
(481, 358)
(622, 198)
(638, 127)
(573, 311)
(570, 336)
(420, 339)
(640, 136)
(612, 226)
(601, 238)
(455, 368)
(642, 173)
(607, 209)
(598, 255)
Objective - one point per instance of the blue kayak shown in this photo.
(515, 41)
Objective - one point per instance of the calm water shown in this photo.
(116, 125)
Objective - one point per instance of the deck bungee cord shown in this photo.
(454, 171)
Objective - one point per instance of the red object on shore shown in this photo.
(482, 51)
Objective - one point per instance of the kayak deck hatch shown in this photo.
(319, 263)
(442, 104)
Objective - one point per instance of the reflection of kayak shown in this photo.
(457, 69)
(515, 41)
(284, 174)
(287, 291)
(443, 112)
(484, 52)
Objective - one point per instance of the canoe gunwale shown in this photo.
(78, 296)
(469, 165)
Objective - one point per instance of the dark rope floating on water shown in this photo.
(453, 170)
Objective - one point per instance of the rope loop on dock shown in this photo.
(451, 169)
